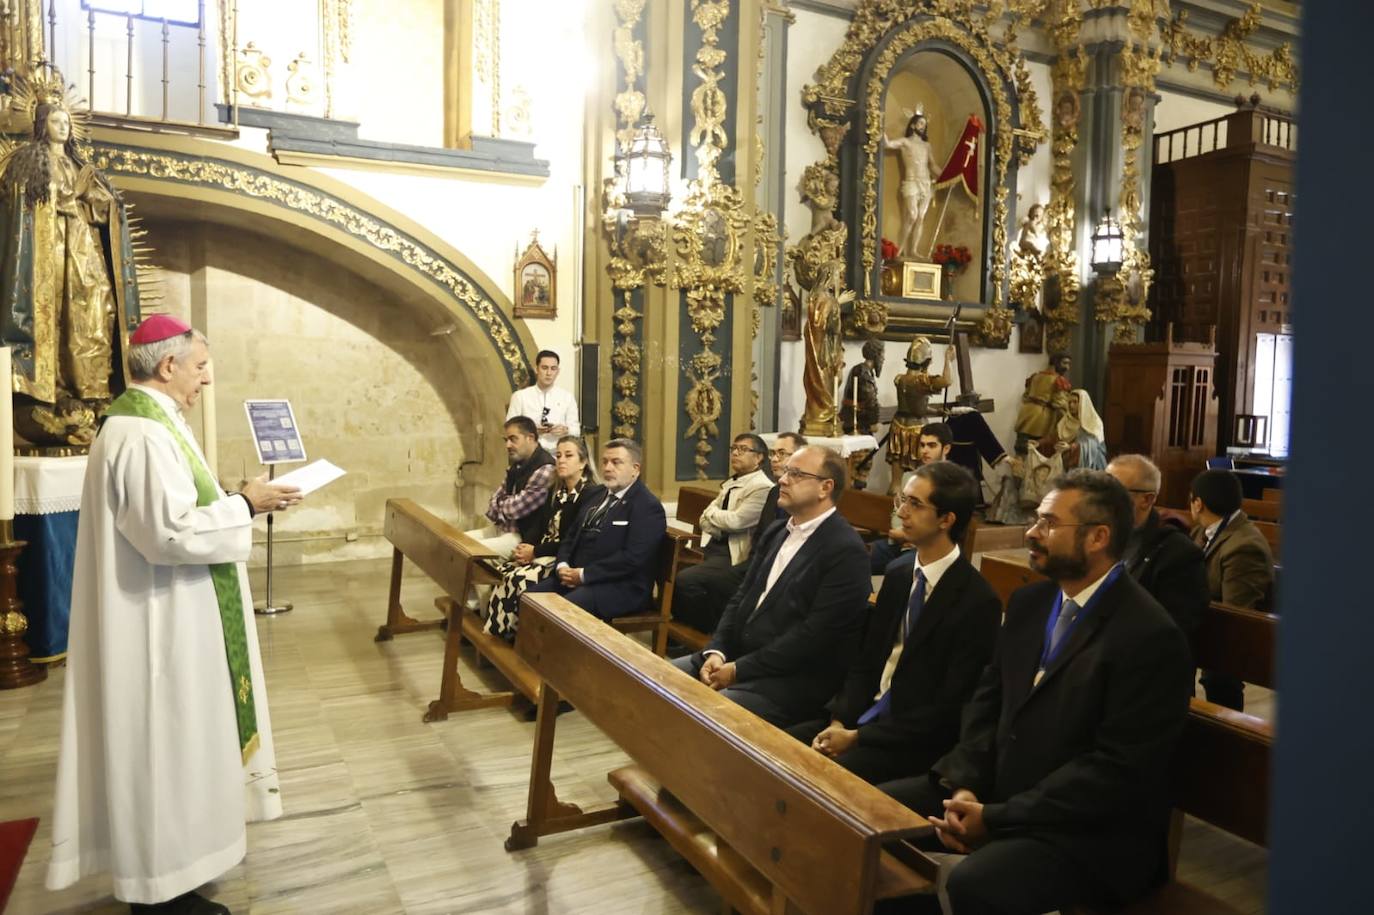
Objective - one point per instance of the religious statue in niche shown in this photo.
(65, 307)
(535, 292)
(914, 388)
(859, 412)
(808, 259)
(823, 339)
(918, 171)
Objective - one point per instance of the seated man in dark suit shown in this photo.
(790, 632)
(929, 637)
(607, 566)
(1058, 788)
(1160, 555)
(786, 445)
(1240, 565)
(932, 446)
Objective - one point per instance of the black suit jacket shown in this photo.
(1166, 562)
(1081, 760)
(618, 555)
(590, 497)
(796, 645)
(770, 515)
(940, 664)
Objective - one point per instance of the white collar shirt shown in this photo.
(797, 535)
(561, 405)
(933, 573)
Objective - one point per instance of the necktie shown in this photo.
(913, 612)
(1061, 625)
(594, 519)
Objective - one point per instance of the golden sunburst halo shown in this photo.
(46, 85)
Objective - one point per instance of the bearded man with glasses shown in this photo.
(1058, 789)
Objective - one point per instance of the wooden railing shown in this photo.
(1246, 126)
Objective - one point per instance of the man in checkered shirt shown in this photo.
(515, 509)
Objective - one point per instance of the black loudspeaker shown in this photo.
(588, 394)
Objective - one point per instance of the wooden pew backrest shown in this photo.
(1239, 642)
(1007, 575)
(867, 511)
(1260, 510)
(1221, 770)
(813, 829)
(438, 548)
(1273, 533)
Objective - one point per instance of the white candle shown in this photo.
(7, 439)
(209, 425)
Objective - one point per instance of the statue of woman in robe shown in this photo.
(63, 305)
(823, 336)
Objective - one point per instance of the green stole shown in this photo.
(224, 575)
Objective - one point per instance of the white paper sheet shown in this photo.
(312, 476)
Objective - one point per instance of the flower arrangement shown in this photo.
(952, 259)
(889, 250)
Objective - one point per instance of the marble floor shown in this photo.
(387, 814)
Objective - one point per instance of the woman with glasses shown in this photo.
(574, 490)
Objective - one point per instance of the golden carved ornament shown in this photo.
(903, 24)
(1121, 298)
(254, 75)
(1228, 54)
(639, 255)
(1068, 77)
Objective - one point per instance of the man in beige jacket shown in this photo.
(702, 591)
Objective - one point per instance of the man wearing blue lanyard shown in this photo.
(1057, 790)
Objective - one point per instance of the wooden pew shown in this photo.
(1272, 494)
(456, 562)
(1273, 533)
(774, 826)
(439, 549)
(1262, 510)
(1006, 571)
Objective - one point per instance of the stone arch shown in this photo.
(181, 177)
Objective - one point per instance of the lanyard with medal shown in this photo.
(1046, 655)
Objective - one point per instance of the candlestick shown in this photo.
(15, 667)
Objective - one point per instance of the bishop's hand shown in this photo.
(270, 497)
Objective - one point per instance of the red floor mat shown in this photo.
(14, 843)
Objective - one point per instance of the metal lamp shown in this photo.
(643, 170)
(1108, 245)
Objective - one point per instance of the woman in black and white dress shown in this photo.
(532, 562)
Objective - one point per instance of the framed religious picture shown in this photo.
(921, 280)
(536, 293)
(1032, 338)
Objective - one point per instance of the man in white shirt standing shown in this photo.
(792, 628)
(166, 742)
(553, 409)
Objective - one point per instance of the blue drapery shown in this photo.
(45, 580)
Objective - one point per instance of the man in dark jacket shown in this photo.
(792, 628)
(929, 637)
(515, 509)
(1160, 554)
(1058, 788)
(607, 565)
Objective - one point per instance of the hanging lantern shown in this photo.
(1108, 245)
(643, 170)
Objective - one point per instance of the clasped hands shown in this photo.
(834, 740)
(569, 577)
(716, 672)
(962, 829)
(270, 497)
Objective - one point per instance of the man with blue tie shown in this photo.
(929, 637)
(1058, 789)
(607, 565)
